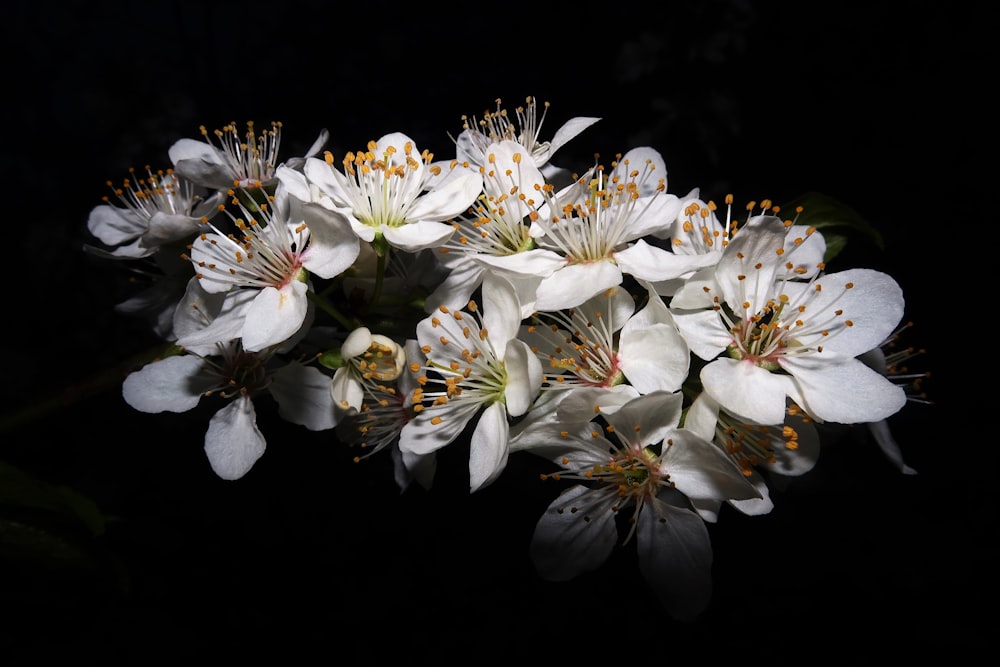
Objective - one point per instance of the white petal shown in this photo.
(654, 358)
(488, 450)
(114, 226)
(450, 200)
(501, 311)
(575, 283)
(225, 317)
(275, 315)
(303, 396)
(333, 245)
(418, 235)
(524, 377)
(421, 436)
(675, 558)
(883, 437)
(346, 391)
(648, 262)
(647, 419)
(701, 470)
(843, 390)
(233, 442)
(567, 131)
(201, 163)
(565, 545)
(704, 331)
(174, 384)
(746, 390)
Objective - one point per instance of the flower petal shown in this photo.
(565, 544)
(675, 558)
(274, 316)
(488, 449)
(233, 442)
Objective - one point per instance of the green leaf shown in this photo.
(836, 220)
(20, 490)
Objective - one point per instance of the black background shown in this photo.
(881, 105)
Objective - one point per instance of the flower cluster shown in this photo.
(667, 355)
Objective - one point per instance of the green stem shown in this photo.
(379, 274)
(330, 310)
(112, 377)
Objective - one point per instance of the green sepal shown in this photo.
(332, 359)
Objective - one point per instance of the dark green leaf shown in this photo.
(836, 220)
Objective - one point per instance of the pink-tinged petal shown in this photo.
(447, 201)
(704, 331)
(675, 558)
(748, 391)
(524, 377)
(303, 396)
(575, 283)
(418, 235)
(275, 315)
(174, 384)
(114, 226)
(701, 470)
(565, 544)
(648, 262)
(843, 390)
(488, 449)
(653, 358)
(233, 442)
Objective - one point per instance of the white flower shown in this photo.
(789, 339)
(653, 469)
(700, 235)
(890, 360)
(496, 235)
(523, 127)
(266, 271)
(385, 409)
(368, 359)
(384, 192)
(233, 443)
(235, 161)
(605, 341)
(476, 368)
(787, 450)
(155, 210)
(594, 230)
